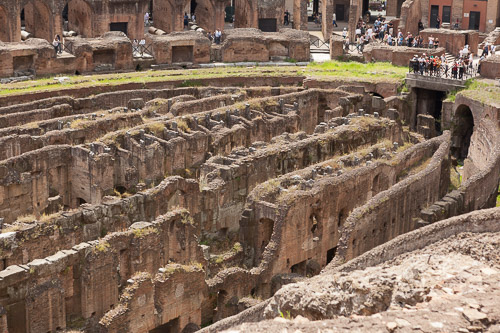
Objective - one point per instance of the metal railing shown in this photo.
(68, 47)
(319, 43)
(141, 50)
(443, 71)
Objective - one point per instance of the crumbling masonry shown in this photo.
(158, 208)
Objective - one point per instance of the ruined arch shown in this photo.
(4, 26)
(37, 19)
(463, 126)
(79, 17)
(245, 14)
(190, 328)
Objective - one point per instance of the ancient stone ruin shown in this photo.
(159, 208)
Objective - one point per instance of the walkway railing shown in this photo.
(445, 72)
(319, 43)
(141, 50)
(68, 47)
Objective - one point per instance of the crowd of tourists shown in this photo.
(383, 32)
(440, 67)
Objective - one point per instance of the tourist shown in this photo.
(420, 26)
(344, 33)
(369, 34)
(57, 45)
(335, 20)
(409, 39)
(218, 35)
(461, 69)
(193, 18)
(389, 40)
(436, 43)
(346, 43)
(456, 25)
(287, 18)
(438, 22)
(146, 19)
(421, 64)
(414, 64)
(486, 50)
(454, 70)
(186, 20)
(479, 64)
(384, 40)
(431, 42)
(142, 46)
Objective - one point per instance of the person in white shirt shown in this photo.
(146, 19)
(370, 33)
(335, 20)
(344, 33)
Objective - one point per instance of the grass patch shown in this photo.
(183, 126)
(482, 91)
(143, 232)
(80, 124)
(26, 218)
(455, 179)
(352, 69)
(190, 78)
(103, 246)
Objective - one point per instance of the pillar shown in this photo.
(300, 15)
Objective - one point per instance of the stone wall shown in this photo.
(113, 51)
(43, 19)
(490, 67)
(377, 221)
(196, 47)
(411, 12)
(83, 282)
(452, 40)
(481, 167)
(399, 56)
(253, 45)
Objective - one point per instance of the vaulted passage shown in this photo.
(78, 17)
(4, 25)
(37, 19)
(463, 126)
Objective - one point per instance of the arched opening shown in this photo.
(120, 189)
(330, 254)
(341, 218)
(190, 328)
(314, 222)
(229, 13)
(77, 16)
(376, 94)
(463, 126)
(173, 326)
(375, 185)
(429, 102)
(4, 26)
(265, 231)
(193, 7)
(37, 19)
(80, 201)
